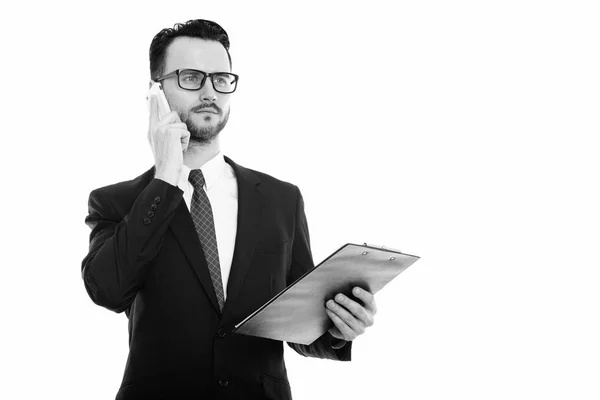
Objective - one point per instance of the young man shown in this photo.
(197, 243)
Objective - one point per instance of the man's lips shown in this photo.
(206, 110)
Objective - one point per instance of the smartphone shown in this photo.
(163, 104)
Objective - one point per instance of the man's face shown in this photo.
(204, 115)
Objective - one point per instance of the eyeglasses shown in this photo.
(193, 79)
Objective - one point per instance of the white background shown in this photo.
(463, 132)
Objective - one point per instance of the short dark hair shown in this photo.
(197, 28)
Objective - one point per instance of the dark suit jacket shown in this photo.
(145, 258)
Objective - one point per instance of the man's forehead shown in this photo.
(188, 52)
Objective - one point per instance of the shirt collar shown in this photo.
(211, 170)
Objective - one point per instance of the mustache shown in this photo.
(206, 106)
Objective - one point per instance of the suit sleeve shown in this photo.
(302, 262)
(121, 247)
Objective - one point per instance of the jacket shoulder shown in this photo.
(121, 193)
(268, 181)
(263, 179)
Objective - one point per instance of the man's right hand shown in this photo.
(168, 138)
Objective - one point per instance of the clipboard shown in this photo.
(297, 314)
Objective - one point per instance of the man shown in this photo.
(197, 243)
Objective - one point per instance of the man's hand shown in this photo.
(350, 318)
(168, 138)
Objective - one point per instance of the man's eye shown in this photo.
(191, 78)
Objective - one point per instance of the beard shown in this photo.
(202, 135)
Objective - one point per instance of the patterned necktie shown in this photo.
(202, 216)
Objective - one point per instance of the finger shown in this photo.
(356, 309)
(174, 125)
(153, 109)
(180, 133)
(347, 332)
(177, 129)
(349, 319)
(185, 140)
(367, 298)
(171, 118)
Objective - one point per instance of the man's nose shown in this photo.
(208, 92)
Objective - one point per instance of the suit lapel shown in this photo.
(249, 214)
(182, 227)
(250, 208)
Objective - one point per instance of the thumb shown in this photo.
(335, 332)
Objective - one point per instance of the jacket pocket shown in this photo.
(276, 389)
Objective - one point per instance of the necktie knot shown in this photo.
(196, 178)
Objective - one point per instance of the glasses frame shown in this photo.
(206, 75)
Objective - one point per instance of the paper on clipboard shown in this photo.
(297, 314)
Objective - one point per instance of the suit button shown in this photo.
(157, 199)
(146, 220)
(153, 207)
(222, 333)
(223, 383)
(151, 214)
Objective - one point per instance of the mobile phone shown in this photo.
(163, 104)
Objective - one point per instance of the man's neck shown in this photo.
(197, 155)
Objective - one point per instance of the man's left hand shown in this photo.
(350, 318)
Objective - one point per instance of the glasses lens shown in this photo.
(224, 83)
(190, 79)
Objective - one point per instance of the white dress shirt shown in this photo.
(221, 188)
